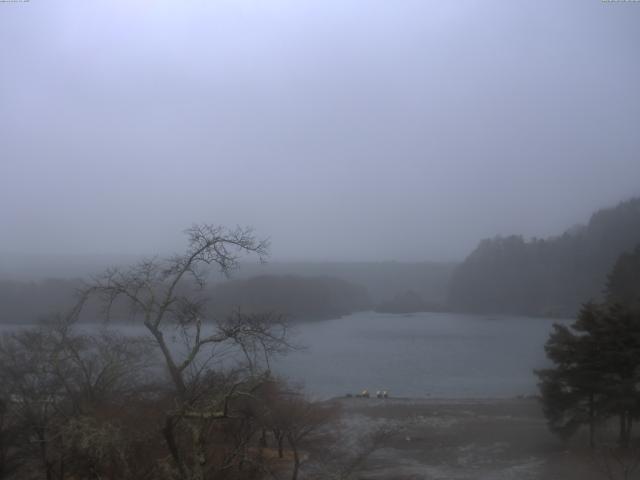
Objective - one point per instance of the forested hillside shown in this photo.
(27, 302)
(295, 297)
(383, 280)
(550, 276)
(27, 293)
(299, 298)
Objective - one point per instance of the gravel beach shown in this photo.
(498, 439)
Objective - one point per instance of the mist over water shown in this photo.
(438, 355)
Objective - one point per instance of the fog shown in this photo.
(341, 130)
(447, 195)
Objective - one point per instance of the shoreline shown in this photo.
(466, 439)
(437, 400)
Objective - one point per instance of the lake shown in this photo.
(425, 354)
(441, 355)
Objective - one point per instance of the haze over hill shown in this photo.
(344, 130)
(511, 275)
(552, 276)
(30, 290)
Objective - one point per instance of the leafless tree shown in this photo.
(615, 462)
(168, 296)
(294, 419)
(50, 377)
(34, 395)
(9, 429)
(98, 368)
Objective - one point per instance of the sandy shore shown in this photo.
(469, 439)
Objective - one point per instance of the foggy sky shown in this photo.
(341, 129)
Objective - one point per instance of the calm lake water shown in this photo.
(419, 355)
(426, 354)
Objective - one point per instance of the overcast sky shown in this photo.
(341, 129)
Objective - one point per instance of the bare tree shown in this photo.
(34, 396)
(9, 430)
(97, 369)
(615, 462)
(52, 377)
(293, 419)
(167, 295)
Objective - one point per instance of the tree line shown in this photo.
(596, 361)
(551, 277)
(297, 297)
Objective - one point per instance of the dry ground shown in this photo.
(471, 439)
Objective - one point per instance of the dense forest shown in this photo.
(552, 276)
(298, 298)
(383, 280)
(26, 302)
(301, 289)
(408, 302)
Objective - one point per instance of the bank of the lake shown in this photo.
(469, 439)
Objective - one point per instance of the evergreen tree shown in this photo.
(552, 276)
(623, 283)
(596, 373)
(572, 390)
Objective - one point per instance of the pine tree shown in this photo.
(572, 391)
(623, 283)
(596, 372)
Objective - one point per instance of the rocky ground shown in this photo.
(473, 439)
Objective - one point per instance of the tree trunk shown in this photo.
(592, 421)
(199, 454)
(296, 460)
(48, 467)
(167, 432)
(625, 428)
(280, 440)
(621, 428)
(174, 371)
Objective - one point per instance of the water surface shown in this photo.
(426, 354)
(419, 355)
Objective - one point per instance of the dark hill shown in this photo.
(545, 276)
(299, 298)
